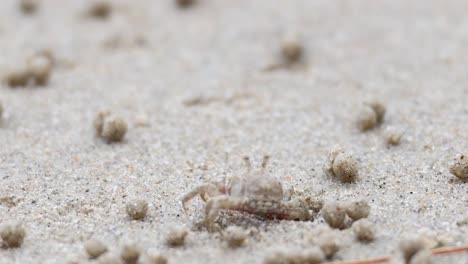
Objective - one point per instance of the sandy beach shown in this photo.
(192, 86)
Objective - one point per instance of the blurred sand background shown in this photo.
(149, 57)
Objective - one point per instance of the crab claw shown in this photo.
(204, 190)
(298, 210)
(297, 214)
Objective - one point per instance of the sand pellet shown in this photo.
(357, 209)
(114, 129)
(185, 3)
(12, 235)
(73, 260)
(313, 255)
(459, 167)
(95, 248)
(48, 54)
(137, 209)
(98, 121)
(370, 115)
(130, 254)
(379, 109)
(333, 214)
(367, 118)
(392, 136)
(235, 236)
(364, 230)
(100, 9)
(157, 259)
(40, 67)
(422, 257)
(28, 6)
(110, 127)
(328, 242)
(410, 246)
(345, 167)
(342, 165)
(17, 77)
(292, 49)
(176, 236)
(110, 259)
(35, 71)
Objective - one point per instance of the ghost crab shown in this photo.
(253, 193)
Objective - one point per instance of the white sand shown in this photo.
(69, 186)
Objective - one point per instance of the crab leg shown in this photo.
(222, 202)
(202, 190)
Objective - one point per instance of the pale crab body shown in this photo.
(253, 193)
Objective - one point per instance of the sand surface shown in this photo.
(150, 58)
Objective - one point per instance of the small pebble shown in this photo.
(95, 248)
(333, 214)
(130, 254)
(176, 237)
(364, 230)
(12, 235)
(357, 209)
(410, 246)
(343, 166)
(292, 49)
(392, 136)
(100, 9)
(157, 259)
(185, 3)
(28, 6)
(459, 167)
(235, 236)
(137, 209)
